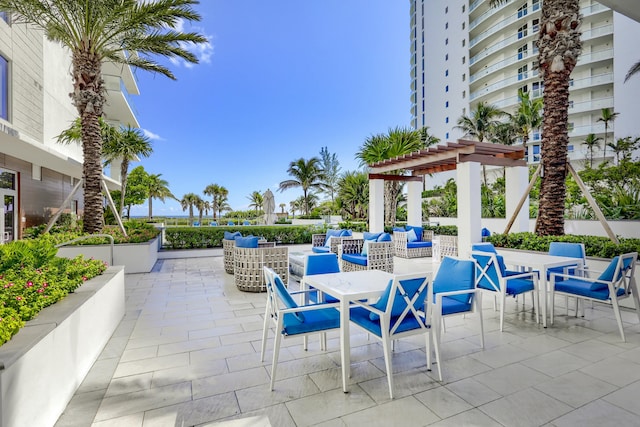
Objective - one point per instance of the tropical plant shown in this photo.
(623, 147)
(99, 31)
(306, 174)
(282, 207)
(376, 148)
(353, 193)
(219, 195)
(635, 68)
(189, 201)
(295, 206)
(528, 115)
(256, 200)
(331, 167)
(606, 116)
(158, 189)
(129, 145)
(559, 47)
(427, 139)
(504, 133)
(592, 143)
(200, 205)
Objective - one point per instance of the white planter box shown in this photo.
(136, 257)
(42, 366)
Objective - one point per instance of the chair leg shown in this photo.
(436, 345)
(478, 302)
(265, 330)
(616, 311)
(276, 354)
(552, 298)
(502, 302)
(386, 344)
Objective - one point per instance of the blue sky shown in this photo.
(279, 80)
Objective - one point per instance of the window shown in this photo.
(570, 126)
(535, 5)
(446, 88)
(446, 104)
(570, 104)
(446, 135)
(464, 8)
(570, 148)
(537, 88)
(446, 41)
(4, 88)
(446, 57)
(464, 94)
(464, 76)
(446, 9)
(464, 59)
(522, 72)
(446, 73)
(522, 51)
(446, 119)
(464, 25)
(446, 25)
(522, 31)
(522, 11)
(464, 111)
(464, 42)
(535, 25)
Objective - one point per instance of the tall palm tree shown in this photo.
(528, 115)
(331, 168)
(218, 193)
(306, 174)
(282, 206)
(295, 206)
(607, 116)
(559, 47)
(396, 142)
(99, 31)
(189, 201)
(130, 145)
(353, 191)
(158, 189)
(623, 147)
(200, 206)
(592, 142)
(256, 200)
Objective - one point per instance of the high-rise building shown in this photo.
(467, 52)
(37, 173)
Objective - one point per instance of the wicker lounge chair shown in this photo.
(448, 246)
(228, 247)
(416, 249)
(379, 255)
(318, 241)
(248, 263)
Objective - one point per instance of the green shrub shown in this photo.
(595, 246)
(137, 232)
(211, 237)
(33, 278)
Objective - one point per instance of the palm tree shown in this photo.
(635, 68)
(353, 191)
(189, 200)
(256, 200)
(481, 121)
(396, 142)
(607, 116)
(528, 115)
(282, 206)
(331, 168)
(219, 195)
(199, 203)
(294, 206)
(158, 189)
(99, 31)
(427, 139)
(129, 145)
(592, 143)
(623, 147)
(308, 175)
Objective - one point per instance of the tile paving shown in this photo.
(187, 353)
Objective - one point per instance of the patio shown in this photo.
(188, 353)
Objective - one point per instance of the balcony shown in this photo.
(500, 25)
(593, 105)
(119, 107)
(593, 33)
(582, 131)
(502, 84)
(501, 64)
(603, 55)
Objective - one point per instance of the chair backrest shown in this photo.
(278, 294)
(573, 250)
(620, 271)
(455, 275)
(403, 301)
(484, 247)
(321, 264)
(488, 272)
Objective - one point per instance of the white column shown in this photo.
(469, 206)
(376, 205)
(517, 179)
(414, 203)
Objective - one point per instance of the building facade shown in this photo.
(467, 52)
(36, 173)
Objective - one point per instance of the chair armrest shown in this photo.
(368, 307)
(440, 295)
(427, 235)
(572, 276)
(352, 246)
(534, 274)
(318, 239)
(309, 307)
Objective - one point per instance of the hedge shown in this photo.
(211, 237)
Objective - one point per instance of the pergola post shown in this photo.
(469, 206)
(376, 205)
(414, 203)
(517, 178)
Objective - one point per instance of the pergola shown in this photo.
(465, 157)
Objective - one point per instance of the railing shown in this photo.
(494, 47)
(595, 104)
(597, 32)
(81, 238)
(475, 4)
(115, 83)
(498, 65)
(520, 77)
(599, 79)
(596, 56)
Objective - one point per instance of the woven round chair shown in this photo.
(228, 246)
(248, 263)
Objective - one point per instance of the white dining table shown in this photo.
(347, 287)
(541, 263)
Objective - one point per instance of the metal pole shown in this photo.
(113, 207)
(55, 217)
(522, 199)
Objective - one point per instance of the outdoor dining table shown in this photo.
(541, 263)
(347, 287)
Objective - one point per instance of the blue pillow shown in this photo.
(346, 233)
(286, 298)
(417, 230)
(384, 237)
(411, 236)
(607, 275)
(231, 236)
(330, 234)
(247, 242)
(399, 229)
(370, 236)
(365, 247)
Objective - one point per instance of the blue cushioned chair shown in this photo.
(573, 250)
(291, 319)
(455, 293)
(400, 312)
(246, 223)
(196, 224)
(320, 264)
(329, 241)
(490, 277)
(231, 223)
(213, 224)
(615, 283)
(488, 247)
(412, 243)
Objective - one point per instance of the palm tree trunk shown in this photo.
(554, 154)
(150, 207)
(89, 97)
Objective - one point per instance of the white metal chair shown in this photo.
(615, 283)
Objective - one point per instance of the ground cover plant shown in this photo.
(137, 232)
(32, 278)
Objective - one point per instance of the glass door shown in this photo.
(9, 218)
(9, 195)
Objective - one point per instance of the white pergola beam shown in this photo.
(376, 205)
(414, 203)
(469, 206)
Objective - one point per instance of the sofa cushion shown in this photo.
(321, 249)
(346, 233)
(384, 237)
(355, 259)
(417, 230)
(399, 229)
(228, 235)
(416, 244)
(370, 236)
(585, 288)
(247, 242)
(330, 234)
(411, 236)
